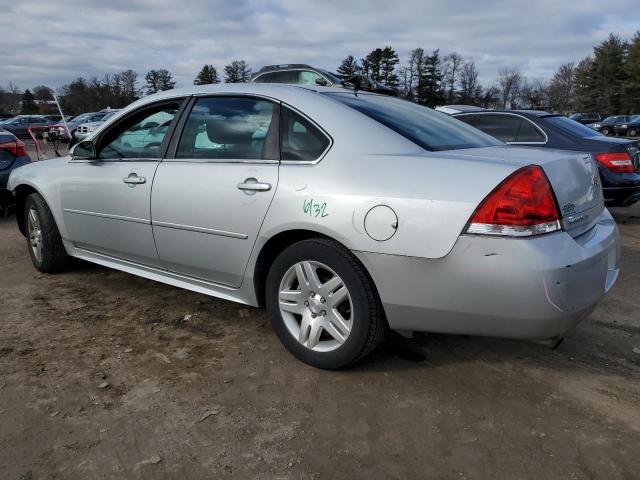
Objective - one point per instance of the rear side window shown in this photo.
(502, 127)
(227, 128)
(300, 139)
(528, 133)
(426, 128)
(572, 127)
(288, 76)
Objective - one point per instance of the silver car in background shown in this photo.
(345, 213)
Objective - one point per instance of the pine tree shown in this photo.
(207, 76)
(28, 104)
(388, 64)
(237, 71)
(609, 74)
(348, 68)
(430, 91)
(159, 80)
(631, 85)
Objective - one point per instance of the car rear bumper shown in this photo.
(517, 288)
(621, 196)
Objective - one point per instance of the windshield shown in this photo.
(427, 128)
(613, 119)
(85, 117)
(573, 127)
(107, 116)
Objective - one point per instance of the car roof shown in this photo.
(452, 109)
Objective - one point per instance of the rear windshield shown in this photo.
(573, 127)
(427, 128)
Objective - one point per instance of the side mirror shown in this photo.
(84, 151)
(322, 82)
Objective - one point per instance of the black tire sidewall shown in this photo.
(358, 290)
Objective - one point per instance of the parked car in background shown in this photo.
(19, 125)
(85, 129)
(340, 212)
(585, 118)
(73, 125)
(618, 159)
(629, 128)
(13, 154)
(606, 126)
(301, 74)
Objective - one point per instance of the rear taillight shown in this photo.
(17, 148)
(616, 162)
(521, 206)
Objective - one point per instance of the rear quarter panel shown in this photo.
(432, 194)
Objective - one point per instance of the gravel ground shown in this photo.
(105, 375)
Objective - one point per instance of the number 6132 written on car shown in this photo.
(315, 209)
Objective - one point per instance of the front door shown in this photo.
(208, 202)
(106, 201)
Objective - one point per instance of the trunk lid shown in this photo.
(573, 176)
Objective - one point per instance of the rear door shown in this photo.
(210, 198)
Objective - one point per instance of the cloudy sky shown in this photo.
(52, 42)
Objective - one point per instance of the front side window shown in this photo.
(300, 139)
(227, 128)
(426, 128)
(140, 135)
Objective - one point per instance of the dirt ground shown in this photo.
(105, 375)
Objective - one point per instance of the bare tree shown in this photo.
(510, 82)
(454, 63)
(470, 88)
(562, 88)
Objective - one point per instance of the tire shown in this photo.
(606, 131)
(360, 314)
(41, 227)
(633, 132)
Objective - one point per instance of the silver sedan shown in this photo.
(346, 213)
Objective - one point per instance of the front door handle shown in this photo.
(133, 179)
(251, 185)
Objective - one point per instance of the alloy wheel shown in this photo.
(35, 233)
(316, 306)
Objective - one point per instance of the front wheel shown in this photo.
(323, 305)
(43, 238)
(633, 132)
(606, 131)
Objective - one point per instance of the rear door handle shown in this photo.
(133, 179)
(253, 185)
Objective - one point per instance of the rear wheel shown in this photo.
(323, 305)
(43, 238)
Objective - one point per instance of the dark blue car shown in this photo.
(618, 158)
(13, 154)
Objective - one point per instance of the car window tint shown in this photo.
(306, 77)
(290, 76)
(140, 135)
(529, 133)
(502, 127)
(426, 128)
(301, 140)
(226, 128)
(472, 120)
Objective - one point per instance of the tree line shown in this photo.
(607, 81)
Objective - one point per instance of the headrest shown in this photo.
(229, 130)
